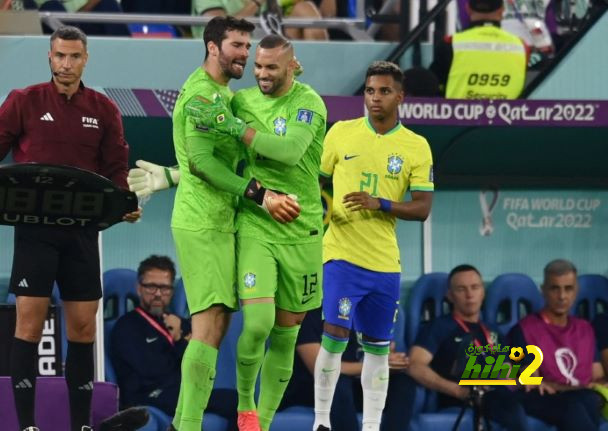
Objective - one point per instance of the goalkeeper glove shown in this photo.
(281, 207)
(148, 178)
(215, 115)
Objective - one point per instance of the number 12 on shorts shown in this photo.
(310, 287)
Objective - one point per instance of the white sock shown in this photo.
(327, 372)
(374, 380)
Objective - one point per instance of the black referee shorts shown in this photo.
(44, 254)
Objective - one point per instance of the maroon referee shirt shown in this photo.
(41, 125)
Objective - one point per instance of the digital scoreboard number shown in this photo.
(38, 194)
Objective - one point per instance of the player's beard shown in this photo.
(274, 85)
(155, 308)
(231, 67)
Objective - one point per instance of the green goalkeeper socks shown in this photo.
(276, 371)
(258, 320)
(198, 375)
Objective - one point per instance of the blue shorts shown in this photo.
(370, 299)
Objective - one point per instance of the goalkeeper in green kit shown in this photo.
(203, 222)
(279, 271)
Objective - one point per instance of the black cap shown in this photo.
(485, 5)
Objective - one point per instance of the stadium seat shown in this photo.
(179, 305)
(399, 332)
(444, 420)
(153, 424)
(119, 297)
(295, 418)
(119, 292)
(11, 299)
(110, 374)
(592, 296)
(426, 301)
(510, 298)
(3, 289)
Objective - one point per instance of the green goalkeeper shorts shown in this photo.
(206, 261)
(290, 273)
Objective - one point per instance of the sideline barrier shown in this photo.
(419, 111)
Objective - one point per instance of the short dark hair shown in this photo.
(559, 267)
(274, 41)
(68, 32)
(216, 29)
(164, 263)
(461, 268)
(385, 68)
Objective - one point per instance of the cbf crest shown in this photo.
(249, 280)
(395, 163)
(344, 307)
(280, 126)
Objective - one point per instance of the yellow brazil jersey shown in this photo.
(385, 166)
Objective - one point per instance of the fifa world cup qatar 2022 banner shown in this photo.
(434, 111)
(573, 113)
(520, 230)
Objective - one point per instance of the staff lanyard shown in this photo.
(466, 329)
(156, 325)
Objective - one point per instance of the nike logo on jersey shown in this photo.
(328, 370)
(247, 364)
(347, 157)
(283, 380)
(47, 117)
(151, 340)
(458, 339)
(306, 300)
(155, 393)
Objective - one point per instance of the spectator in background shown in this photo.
(148, 344)
(169, 7)
(484, 61)
(329, 8)
(438, 358)
(420, 82)
(306, 9)
(248, 8)
(346, 403)
(569, 355)
(84, 6)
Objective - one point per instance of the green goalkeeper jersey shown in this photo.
(285, 156)
(198, 203)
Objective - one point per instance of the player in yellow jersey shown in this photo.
(374, 160)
